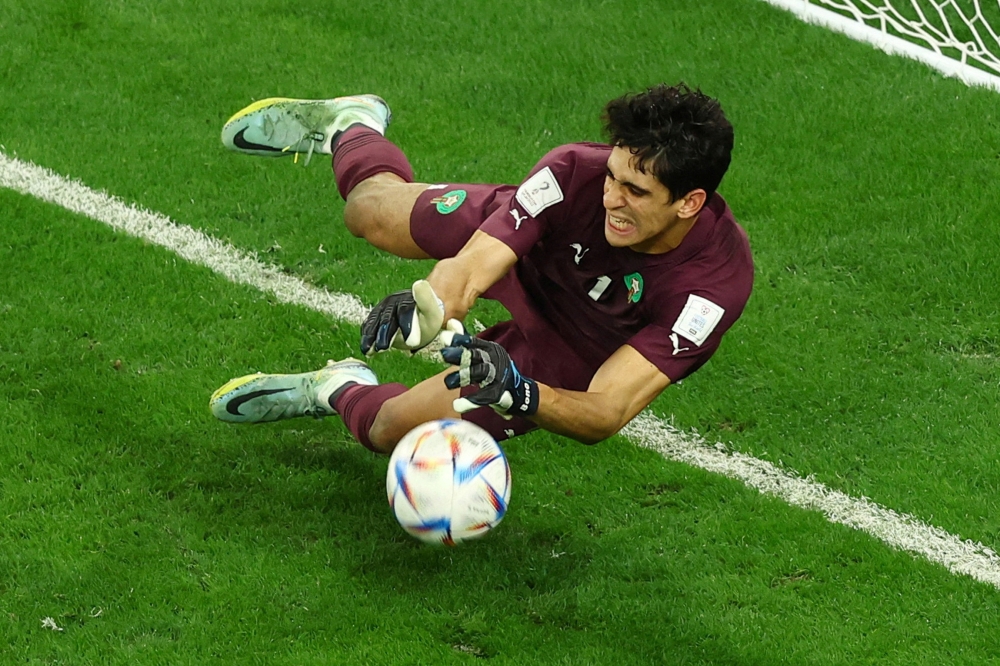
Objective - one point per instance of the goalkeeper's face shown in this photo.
(639, 211)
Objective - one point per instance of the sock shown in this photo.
(360, 152)
(358, 406)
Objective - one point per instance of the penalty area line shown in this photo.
(901, 531)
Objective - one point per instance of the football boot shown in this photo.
(279, 126)
(260, 397)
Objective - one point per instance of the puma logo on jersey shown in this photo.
(580, 251)
(518, 218)
(677, 344)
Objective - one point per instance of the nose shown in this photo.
(613, 198)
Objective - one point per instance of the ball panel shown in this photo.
(448, 481)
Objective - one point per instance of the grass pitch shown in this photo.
(148, 533)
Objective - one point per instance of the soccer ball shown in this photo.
(448, 481)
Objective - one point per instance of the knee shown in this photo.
(386, 430)
(358, 215)
(368, 214)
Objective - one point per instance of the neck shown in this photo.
(672, 237)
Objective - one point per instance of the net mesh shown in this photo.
(961, 30)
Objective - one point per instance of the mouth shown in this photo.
(618, 225)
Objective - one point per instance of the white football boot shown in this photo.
(279, 126)
(260, 397)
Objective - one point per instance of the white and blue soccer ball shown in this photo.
(448, 482)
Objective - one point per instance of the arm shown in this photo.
(458, 281)
(411, 319)
(622, 387)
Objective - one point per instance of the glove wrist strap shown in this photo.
(526, 398)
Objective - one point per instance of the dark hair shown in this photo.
(679, 134)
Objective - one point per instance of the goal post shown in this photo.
(952, 36)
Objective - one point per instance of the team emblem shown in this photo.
(634, 284)
(449, 201)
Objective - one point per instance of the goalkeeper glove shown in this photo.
(407, 320)
(489, 366)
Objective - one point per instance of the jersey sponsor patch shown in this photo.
(539, 192)
(698, 319)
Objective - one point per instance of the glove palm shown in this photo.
(408, 320)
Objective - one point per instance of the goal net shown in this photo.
(956, 37)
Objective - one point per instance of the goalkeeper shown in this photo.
(620, 264)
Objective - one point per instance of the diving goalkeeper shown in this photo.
(620, 264)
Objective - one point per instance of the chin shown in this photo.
(619, 240)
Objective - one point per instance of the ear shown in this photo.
(693, 203)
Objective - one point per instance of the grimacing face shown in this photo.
(639, 212)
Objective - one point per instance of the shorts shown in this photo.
(444, 218)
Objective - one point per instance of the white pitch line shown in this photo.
(193, 245)
(900, 531)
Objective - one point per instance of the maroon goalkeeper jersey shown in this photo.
(672, 308)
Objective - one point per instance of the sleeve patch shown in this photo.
(539, 192)
(698, 319)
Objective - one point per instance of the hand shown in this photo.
(489, 366)
(407, 320)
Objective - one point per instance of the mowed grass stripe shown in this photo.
(196, 247)
(897, 530)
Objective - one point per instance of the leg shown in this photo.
(427, 401)
(380, 417)
(376, 180)
(378, 210)
(393, 213)
(377, 415)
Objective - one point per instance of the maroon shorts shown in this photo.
(442, 221)
(444, 218)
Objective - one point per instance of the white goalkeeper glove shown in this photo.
(408, 320)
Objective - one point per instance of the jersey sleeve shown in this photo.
(691, 312)
(543, 200)
(686, 335)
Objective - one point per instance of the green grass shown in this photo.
(152, 534)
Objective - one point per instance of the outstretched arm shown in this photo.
(460, 280)
(412, 318)
(622, 387)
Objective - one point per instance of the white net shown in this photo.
(957, 37)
